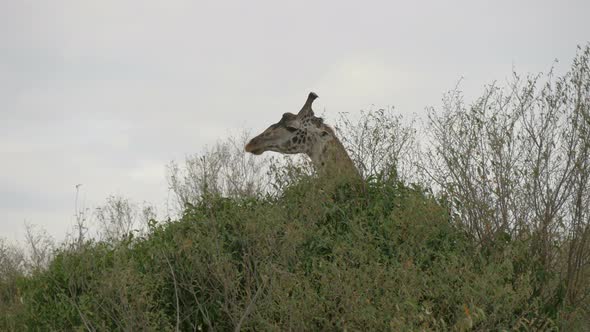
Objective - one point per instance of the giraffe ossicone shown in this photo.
(305, 133)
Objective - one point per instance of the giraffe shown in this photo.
(305, 133)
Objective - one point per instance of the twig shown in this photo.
(175, 294)
(248, 309)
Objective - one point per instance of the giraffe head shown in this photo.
(294, 133)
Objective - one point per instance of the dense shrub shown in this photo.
(309, 260)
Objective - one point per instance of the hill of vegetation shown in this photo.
(307, 260)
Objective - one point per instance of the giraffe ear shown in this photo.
(306, 109)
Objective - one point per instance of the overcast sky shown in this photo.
(106, 93)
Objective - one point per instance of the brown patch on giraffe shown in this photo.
(252, 149)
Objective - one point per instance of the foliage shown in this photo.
(309, 260)
(516, 164)
(223, 169)
(380, 143)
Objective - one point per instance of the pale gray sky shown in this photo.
(106, 93)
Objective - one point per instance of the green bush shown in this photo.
(387, 258)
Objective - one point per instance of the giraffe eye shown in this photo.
(291, 129)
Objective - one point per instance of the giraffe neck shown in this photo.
(330, 158)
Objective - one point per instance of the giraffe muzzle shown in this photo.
(252, 148)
